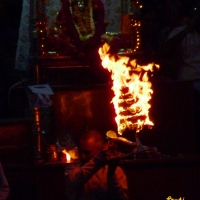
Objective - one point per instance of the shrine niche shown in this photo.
(63, 27)
(66, 34)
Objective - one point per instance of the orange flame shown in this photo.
(68, 157)
(131, 88)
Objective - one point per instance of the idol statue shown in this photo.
(80, 25)
(84, 23)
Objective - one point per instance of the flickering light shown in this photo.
(67, 157)
(132, 90)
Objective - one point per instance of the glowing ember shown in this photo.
(68, 157)
(131, 88)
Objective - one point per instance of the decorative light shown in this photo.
(42, 34)
(135, 25)
(41, 25)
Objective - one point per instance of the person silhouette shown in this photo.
(94, 177)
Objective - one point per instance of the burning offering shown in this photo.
(132, 91)
(67, 157)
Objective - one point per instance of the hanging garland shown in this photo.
(83, 22)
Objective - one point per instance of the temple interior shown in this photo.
(54, 87)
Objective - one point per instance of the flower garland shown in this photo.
(84, 24)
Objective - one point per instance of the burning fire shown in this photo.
(68, 157)
(132, 90)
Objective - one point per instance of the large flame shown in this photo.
(132, 90)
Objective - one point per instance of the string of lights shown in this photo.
(41, 25)
(135, 26)
(42, 35)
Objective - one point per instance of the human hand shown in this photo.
(111, 151)
(112, 165)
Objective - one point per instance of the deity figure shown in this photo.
(80, 25)
(84, 20)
